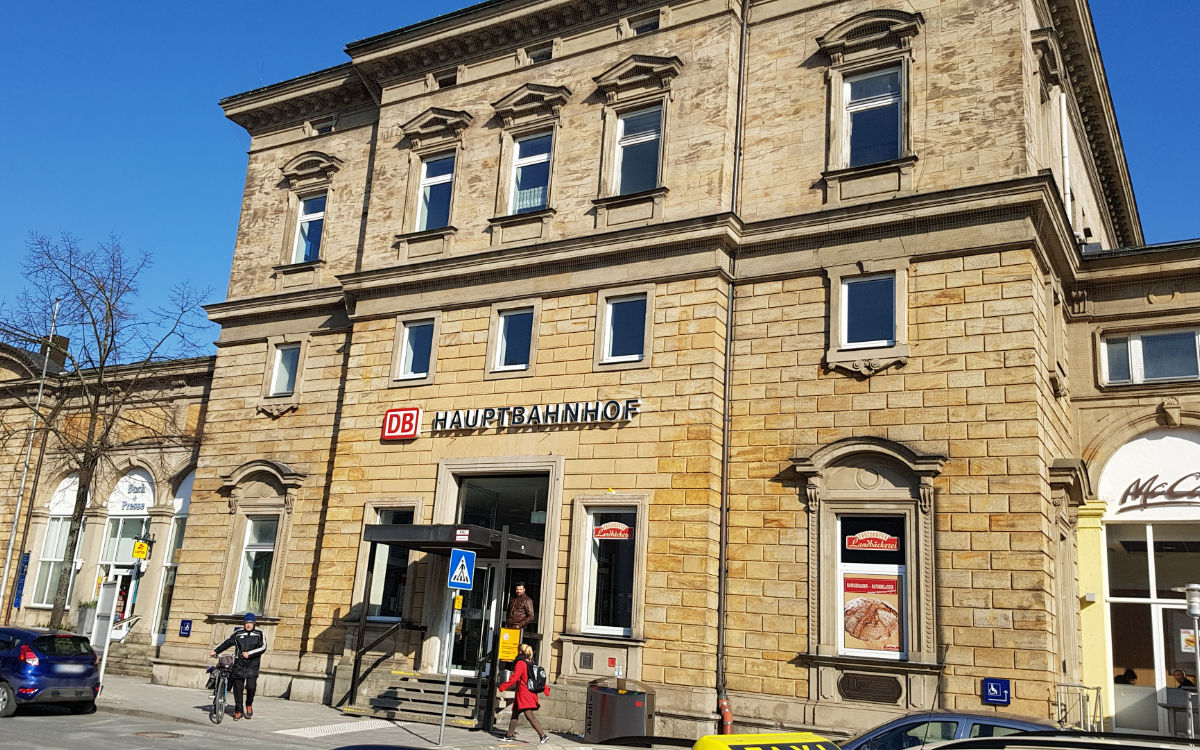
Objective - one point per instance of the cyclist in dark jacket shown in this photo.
(249, 646)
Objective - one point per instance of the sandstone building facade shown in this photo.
(788, 334)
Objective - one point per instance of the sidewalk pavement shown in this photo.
(136, 696)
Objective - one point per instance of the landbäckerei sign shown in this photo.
(405, 423)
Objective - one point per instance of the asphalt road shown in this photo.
(50, 728)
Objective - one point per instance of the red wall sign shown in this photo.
(872, 540)
(611, 530)
(402, 424)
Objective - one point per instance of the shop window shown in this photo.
(309, 224)
(867, 330)
(609, 571)
(53, 556)
(182, 503)
(1151, 356)
(258, 555)
(389, 579)
(872, 585)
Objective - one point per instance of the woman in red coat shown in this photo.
(526, 700)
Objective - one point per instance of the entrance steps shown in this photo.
(411, 696)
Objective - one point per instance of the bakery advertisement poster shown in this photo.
(871, 612)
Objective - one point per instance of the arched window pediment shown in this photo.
(873, 30)
(261, 483)
(310, 169)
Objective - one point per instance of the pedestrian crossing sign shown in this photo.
(462, 569)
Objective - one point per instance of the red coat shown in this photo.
(526, 698)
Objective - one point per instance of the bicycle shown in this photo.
(218, 680)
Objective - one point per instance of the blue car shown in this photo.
(47, 666)
(925, 728)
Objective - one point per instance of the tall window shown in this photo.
(873, 116)
(515, 335)
(639, 137)
(437, 186)
(287, 361)
(416, 349)
(309, 225)
(869, 311)
(871, 585)
(1145, 357)
(53, 557)
(625, 328)
(258, 553)
(174, 544)
(389, 579)
(611, 534)
(531, 173)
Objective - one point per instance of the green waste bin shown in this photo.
(618, 707)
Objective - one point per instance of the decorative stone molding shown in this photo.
(637, 74)
(1070, 475)
(634, 209)
(1049, 60)
(1171, 412)
(870, 31)
(310, 169)
(436, 124)
(261, 483)
(531, 102)
(275, 411)
(1077, 301)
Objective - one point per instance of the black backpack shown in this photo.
(537, 677)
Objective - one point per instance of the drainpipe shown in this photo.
(1066, 156)
(727, 415)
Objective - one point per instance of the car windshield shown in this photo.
(61, 645)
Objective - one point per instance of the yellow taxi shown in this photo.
(779, 741)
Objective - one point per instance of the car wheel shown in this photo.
(8, 701)
(82, 707)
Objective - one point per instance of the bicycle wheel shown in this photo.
(218, 705)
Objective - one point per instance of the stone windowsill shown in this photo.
(865, 170)
(303, 266)
(614, 201)
(602, 639)
(869, 361)
(528, 216)
(863, 662)
(239, 618)
(426, 234)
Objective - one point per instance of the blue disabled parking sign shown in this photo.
(995, 691)
(462, 569)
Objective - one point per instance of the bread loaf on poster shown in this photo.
(871, 620)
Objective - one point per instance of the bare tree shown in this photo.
(107, 398)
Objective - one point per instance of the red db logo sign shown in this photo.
(402, 424)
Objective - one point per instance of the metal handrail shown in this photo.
(1085, 698)
(358, 655)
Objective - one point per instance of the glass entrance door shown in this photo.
(473, 633)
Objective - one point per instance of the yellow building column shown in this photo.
(1093, 619)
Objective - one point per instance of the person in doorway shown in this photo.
(526, 701)
(1128, 677)
(248, 644)
(1181, 680)
(520, 609)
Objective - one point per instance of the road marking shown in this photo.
(345, 727)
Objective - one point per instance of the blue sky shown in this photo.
(113, 126)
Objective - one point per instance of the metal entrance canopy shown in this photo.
(439, 539)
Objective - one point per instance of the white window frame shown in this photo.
(52, 585)
(897, 570)
(238, 604)
(847, 282)
(422, 218)
(1137, 370)
(850, 107)
(379, 510)
(301, 220)
(607, 337)
(502, 340)
(277, 370)
(622, 143)
(589, 570)
(528, 161)
(406, 343)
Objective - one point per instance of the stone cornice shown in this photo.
(299, 99)
(306, 300)
(1083, 66)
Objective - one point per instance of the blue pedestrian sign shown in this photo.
(185, 628)
(995, 691)
(462, 569)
